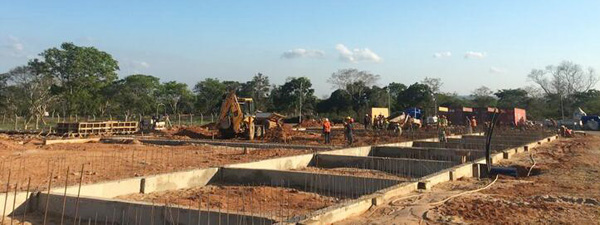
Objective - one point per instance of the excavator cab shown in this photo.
(236, 117)
(247, 105)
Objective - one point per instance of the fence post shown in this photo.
(16, 121)
(201, 119)
(76, 118)
(191, 119)
(179, 119)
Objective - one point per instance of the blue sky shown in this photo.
(465, 43)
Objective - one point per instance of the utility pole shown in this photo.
(389, 102)
(300, 116)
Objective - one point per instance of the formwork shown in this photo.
(97, 128)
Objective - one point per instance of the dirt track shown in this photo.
(566, 191)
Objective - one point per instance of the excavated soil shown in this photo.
(273, 202)
(110, 161)
(566, 190)
(353, 172)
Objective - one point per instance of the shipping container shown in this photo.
(459, 116)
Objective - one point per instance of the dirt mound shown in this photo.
(310, 123)
(194, 132)
(281, 134)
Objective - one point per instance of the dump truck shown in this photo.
(238, 117)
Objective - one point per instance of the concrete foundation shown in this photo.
(414, 168)
(125, 212)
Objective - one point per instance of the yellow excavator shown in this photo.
(238, 117)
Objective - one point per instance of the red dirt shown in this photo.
(566, 191)
(310, 123)
(270, 201)
(111, 161)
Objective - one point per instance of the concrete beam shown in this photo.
(405, 167)
(323, 184)
(234, 144)
(443, 154)
(282, 163)
(70, 141)
(129, 212)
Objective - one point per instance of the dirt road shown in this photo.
(565, 190)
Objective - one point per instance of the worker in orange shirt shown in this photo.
(327, 131)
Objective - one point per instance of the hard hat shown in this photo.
(348, 118)
(326, 119)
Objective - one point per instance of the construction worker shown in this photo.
(348, 130)
(327, 131)
(473, 123)
(442, 124)
(367, 121)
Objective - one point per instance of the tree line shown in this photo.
(79, 80)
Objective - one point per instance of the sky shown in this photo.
(465, 43)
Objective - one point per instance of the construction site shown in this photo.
(186, 175)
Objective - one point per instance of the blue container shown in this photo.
(413, 112)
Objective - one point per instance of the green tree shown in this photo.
(136, 94)
(294, 96)
(416, 95)
(259, 88)
(355, 83)
(452, 100)
(513, 98)
(589, 101)
(209, 95)
(176, 96)
(338, 105)
(482, 97)
(395, 89)
(31, 93)
(80, 72)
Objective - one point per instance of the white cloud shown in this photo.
(442, 54)
(497, 70)
(12, 46)
(144, 64)
(302, 53)
(475, 55)
(357, 55)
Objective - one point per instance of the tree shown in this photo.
(565, 80)
(136, 94)
(295, 95)
(259, 88)
(434, 85)
(395, 89)
(31, 92)
(416, 95)
(338, 105)
(482, 97)
(589, 101)
(80, 72)
(511, 98)
(175, 95)
(209, 95)
(354, 82)
(451, 100)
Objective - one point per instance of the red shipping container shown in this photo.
(514, 116)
